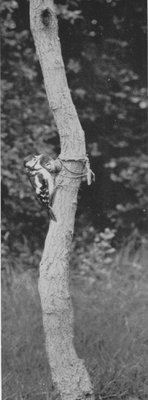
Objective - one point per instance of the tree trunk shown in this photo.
(68, 371)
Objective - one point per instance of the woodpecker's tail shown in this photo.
(51, 214)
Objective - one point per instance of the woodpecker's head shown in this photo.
(36, 162)
(32, 162)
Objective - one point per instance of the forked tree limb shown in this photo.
(68, 371)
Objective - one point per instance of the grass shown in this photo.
(111, 325)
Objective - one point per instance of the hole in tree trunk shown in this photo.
(45, 16)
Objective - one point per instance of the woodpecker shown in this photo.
(42, 180)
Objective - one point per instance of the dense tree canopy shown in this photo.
(104, 50)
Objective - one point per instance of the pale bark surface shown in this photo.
(68, 371)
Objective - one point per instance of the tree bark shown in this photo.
(68, 371)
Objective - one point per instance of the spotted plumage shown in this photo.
(42, 181)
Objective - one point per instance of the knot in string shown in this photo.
(88, 173)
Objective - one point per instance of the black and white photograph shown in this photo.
(74, 197)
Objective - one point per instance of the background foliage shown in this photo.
(104, 50)
(104, 46)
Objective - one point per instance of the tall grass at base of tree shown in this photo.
(111, 324)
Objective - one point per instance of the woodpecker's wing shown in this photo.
(46, 199)
(41, 189)
(42, 192)
(42, 186)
